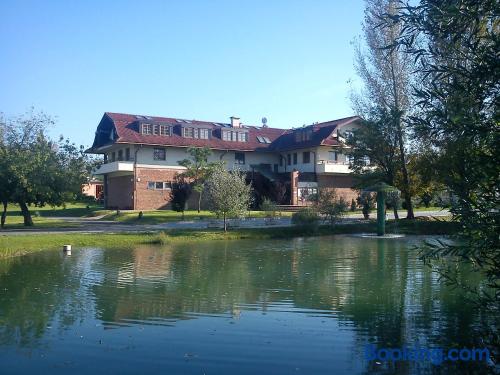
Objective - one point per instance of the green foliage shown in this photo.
(455, 45)
(353, 205)
(228, 193)
(367, 202)
(198, 169)
(269, 207)
(181, 191)
(307, 219)
(332, 207)
(36, 170)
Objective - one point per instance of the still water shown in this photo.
(299, 306)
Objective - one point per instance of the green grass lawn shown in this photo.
(46, 217)
(164, 216)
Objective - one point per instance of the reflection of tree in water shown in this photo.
(378, 289)
(35, 292)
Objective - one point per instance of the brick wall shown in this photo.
(148, 199)
(341, 184)
(120, 193)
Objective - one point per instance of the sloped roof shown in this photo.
(127, 131)
(321, 135)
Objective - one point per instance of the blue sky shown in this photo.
(286, 60)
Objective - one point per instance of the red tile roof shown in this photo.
(127, 131)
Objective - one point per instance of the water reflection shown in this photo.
(324, 298)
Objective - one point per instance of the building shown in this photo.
(94, 188)
(141, 155)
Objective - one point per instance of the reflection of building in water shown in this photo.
(148, 264)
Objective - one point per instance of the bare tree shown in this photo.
(387, 81)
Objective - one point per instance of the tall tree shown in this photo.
(455, 44)
(375, 142)
(228, 193)
(387, 81)
(38, 171)
(198, 169)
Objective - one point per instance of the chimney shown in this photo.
(235, 122)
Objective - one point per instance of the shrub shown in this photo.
(353, 205)
(330, 206)
(269, 207)
(307, 219)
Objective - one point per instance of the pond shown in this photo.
(298, 306)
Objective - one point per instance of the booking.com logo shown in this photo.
(418, 354)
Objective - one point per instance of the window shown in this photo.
(289, 159)
(303, 135)
(120, 155)
(239, 158)
(281, 161)
(113, 156)
(349, 158)
(127, 154)
(156, 130)
(204, 133)
(159, 154)
(159, 185)
(306, 157)
(226, 136)
(188, 132)
(294, 158)
(242, 137)
(333, 156)
(164, 130)
(147, 129)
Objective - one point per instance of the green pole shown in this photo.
(380, 213)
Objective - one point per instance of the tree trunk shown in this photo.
(199, 202)
(225, 224)
(396, 216)
(28, 221)
(4, 213)
(399, 129)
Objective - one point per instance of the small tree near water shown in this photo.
(228, 193)
(181, 191)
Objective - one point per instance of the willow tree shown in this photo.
(387, 83)
(455, 45)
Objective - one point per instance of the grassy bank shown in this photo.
(18, 245)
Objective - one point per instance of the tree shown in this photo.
(37, 170)
(198, 169)
(328, 204)
(375, 142)
(386, 74)
(228, 193)
(455, 46)
(181, 190)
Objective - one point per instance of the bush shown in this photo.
(269, 207)
(353, 205)
(307, 219)
(330, 206)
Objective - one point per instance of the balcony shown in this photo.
(115, 166)
(328, 166)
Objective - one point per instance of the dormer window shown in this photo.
(155, 129)
(164, 130)
(195, 133)
(234, 136)
(147, 129)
